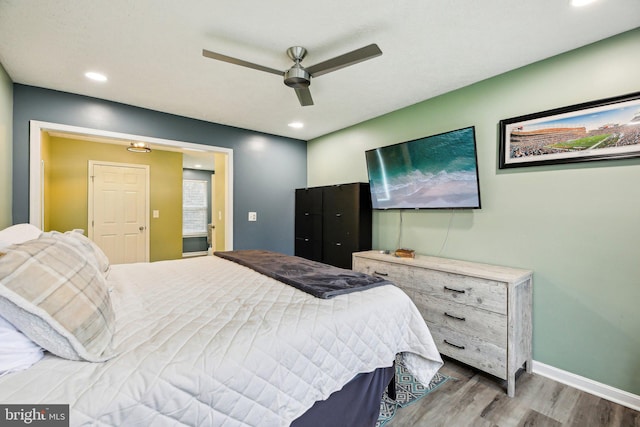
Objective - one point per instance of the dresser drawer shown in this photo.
(484, 325)
(481, 293)
(486, 294)
(470, 350)
(395, 273)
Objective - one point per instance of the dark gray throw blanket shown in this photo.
(315, 278)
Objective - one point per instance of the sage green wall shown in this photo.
(577, 226)
(68, 193)
(6, 156)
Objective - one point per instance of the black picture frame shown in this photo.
(597, 130)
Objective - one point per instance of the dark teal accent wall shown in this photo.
(266, 168)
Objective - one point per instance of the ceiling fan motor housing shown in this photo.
(297, 77)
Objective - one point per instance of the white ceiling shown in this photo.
(151, 51)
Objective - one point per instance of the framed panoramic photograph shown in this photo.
(597, 130)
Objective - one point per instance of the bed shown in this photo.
(207, 341)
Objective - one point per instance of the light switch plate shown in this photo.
(253, 216)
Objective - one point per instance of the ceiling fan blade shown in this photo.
(304, 96)
(236, 61)
(345, 60)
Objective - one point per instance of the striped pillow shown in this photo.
(87, 246)
(54, 294)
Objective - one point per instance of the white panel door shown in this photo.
(119, 211)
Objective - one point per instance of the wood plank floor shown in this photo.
(479, 400)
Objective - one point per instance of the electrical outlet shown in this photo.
(156, 214)
(253, 216)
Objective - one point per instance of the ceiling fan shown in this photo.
(299, 77)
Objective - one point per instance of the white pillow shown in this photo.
(19, 233)
(17, 352)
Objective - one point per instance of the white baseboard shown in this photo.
(604, 391)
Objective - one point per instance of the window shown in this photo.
(194, 207)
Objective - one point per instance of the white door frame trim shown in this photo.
(36, 175)
(147, 201)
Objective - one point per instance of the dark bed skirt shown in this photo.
(357, 404)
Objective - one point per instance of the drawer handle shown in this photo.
(454, 317)
(460, 291)
(338, 214)
(338, 244)
(377, 273)
(461, 347)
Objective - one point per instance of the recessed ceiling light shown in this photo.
(296, 125)
(197, 166)
(95, 76)
(580, 3)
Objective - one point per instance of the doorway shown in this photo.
(39, 131)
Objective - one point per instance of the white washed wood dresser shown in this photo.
(478, 314)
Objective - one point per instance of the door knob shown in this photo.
(141, 228)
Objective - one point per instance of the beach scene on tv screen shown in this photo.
(434, 172)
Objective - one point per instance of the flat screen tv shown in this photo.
(434, 172)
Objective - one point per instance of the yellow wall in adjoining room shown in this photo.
(220, 192)
(45, 157)
(66, 189)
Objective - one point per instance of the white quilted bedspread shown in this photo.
(206, 342)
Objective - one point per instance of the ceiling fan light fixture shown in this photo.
(297, 77)
(139, 147)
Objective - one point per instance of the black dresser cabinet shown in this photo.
(308, 223)
(332, 222)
